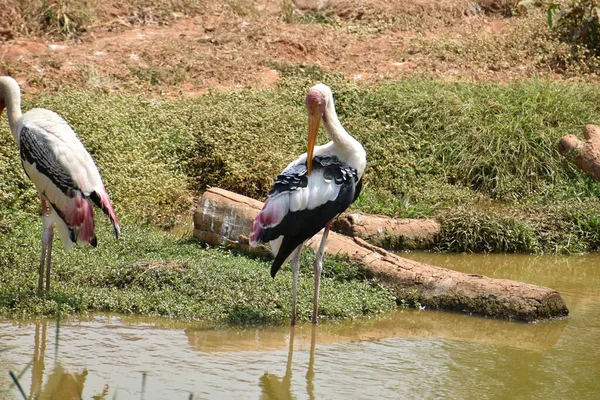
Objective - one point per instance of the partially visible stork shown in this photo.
(62, 171)
(310, 192)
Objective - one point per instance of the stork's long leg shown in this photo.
(318, 266)
(50, 237)
(47, 234)
(43, 255)
(46, 256)
(42, 260)
(295, 271)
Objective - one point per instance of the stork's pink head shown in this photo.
(317, 99)
(9, 92)
(316, 102)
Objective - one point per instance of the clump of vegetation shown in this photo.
(561, 227)
(150, 272)
(431, 145)
(302, 70)
(367, 17)
(506, 8)
(468, 230)
(73, 18)
(527, 44)
(577, 23)
(319, 14)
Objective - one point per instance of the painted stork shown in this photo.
(62, 171)
(310, 192)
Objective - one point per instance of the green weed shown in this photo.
(149, 272)
(480, 157)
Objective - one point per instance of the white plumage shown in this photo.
(304, 200)
(62, 171)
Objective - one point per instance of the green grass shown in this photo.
(149, 272)
(480, 157)
(431, 145)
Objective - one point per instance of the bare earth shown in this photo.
(242, 44)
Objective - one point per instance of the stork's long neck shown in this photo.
(10, 91)
(350, 150)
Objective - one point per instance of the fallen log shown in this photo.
(389, 233)
(587, 154)
(225, 218)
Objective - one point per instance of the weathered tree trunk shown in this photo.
(223, 217)
(389, 233)
(587, 154)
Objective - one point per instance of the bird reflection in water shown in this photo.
(275, 388)
(37, 370)
(61, 383)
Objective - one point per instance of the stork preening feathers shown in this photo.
(62, 171)
(310, 192)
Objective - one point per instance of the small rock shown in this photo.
(310, 4)
(57, 47)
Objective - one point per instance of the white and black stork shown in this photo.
(62, 171)
(311, 192)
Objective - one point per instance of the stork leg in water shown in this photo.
(295, 270)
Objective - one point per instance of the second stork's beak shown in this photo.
(314, 121)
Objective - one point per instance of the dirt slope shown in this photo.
(235, 44)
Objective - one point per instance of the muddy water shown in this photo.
(409, 354)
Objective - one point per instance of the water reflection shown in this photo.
(275, 388)
(61, 382)
(402, 323)
(39, 352)
(407, 354)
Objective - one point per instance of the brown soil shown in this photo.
(236, 44)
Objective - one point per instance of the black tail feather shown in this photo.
(95, 197)
(276, 266)
(288, 245)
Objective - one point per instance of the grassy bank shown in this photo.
(480, 157)
(149, 272)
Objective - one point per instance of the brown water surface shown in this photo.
(409, 354)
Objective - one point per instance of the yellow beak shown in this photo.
(314, 121)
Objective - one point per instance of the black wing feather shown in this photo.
(35, 150)
(290, 180)
(298, 226)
